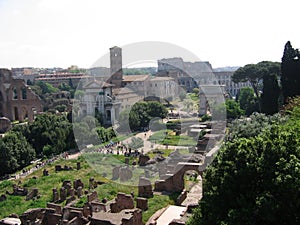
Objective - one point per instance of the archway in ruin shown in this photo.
(175, 182)
(16, 113)
(190, 178)
(182, 169)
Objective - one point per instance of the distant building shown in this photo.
(191, 75)
(58, 78)
(138, 83)
(138, 87)
(28, 74)
(98, 96)
(129, 89)
(224, 78)
(127, 97)
(163, 87)
(188, 75)
(17, 100)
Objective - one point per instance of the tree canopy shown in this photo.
(142, 112)
(15, 153)
(49, 129)
(269, 73)
(248, 73)
(247, 100)
(254, 179)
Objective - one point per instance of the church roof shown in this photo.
(97, 84)
(131, 78)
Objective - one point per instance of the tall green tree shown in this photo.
(142, 112)
(270, 95)
(15, 153)
(249, 72)
(271, 91)
(247, 100)
(255, 74)
(53, 130)
(290, 68)
(156, 109)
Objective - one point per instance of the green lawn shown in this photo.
(153, 153)
(166, 137)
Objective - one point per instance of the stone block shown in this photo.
(145, 188)
(125, 174)
(55, 195)
(32, 194)
(143, 159)
(115, 173)
(142, 203)
(77, 183)
(92, 196)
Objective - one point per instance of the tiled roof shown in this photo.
(131, 78)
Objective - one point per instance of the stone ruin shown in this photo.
(18, 191)
(143, 159)
(94, 184)
(45, 172)
(125, 217)
(119, 211)
(173, 181)
(3, 198)
(122, 172)
(67, 192)
(34, 193)
(64, 168)
(121, 202)
(5, 124)
(142, 203)
(145, 188)
(54, 214)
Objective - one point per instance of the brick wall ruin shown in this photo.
(17, 100)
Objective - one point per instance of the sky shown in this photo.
(61, 33)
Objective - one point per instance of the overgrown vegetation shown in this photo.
(255, 178)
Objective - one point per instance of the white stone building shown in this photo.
(98, 97)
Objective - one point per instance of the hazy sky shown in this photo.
(48, 33)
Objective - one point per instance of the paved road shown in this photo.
(172, 212)
(148, 146)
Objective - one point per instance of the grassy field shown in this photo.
(166, 137)
(166, 152)
(45, 184)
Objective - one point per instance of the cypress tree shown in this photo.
(271, 91)
(290, 72)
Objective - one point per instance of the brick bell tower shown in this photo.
(116, 72)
